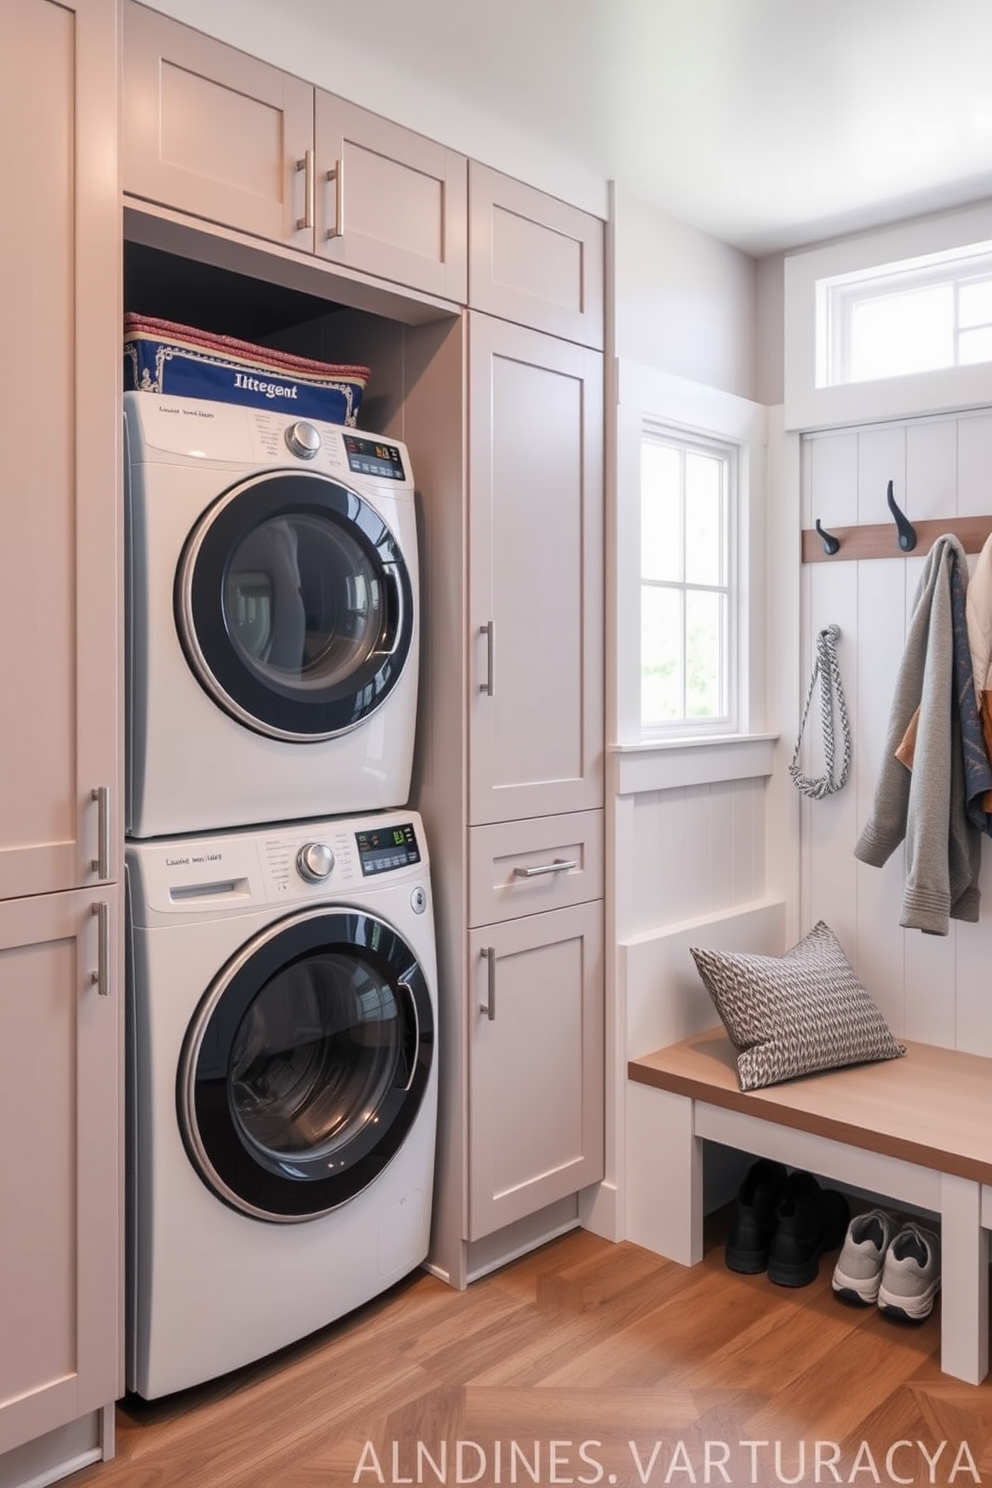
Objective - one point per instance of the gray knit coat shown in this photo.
(926, 805)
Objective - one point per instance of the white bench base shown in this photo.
(664, 1141)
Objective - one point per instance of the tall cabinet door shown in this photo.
(60, 861)
(536, 574)
(59, 1295)
(60, 419)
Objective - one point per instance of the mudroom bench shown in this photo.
(917, 1130)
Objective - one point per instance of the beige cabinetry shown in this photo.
(533, 259)
(214, 133)
(522, 1114)
(535, 772)
(60, 994)
(536, 1064)
(59, 1315)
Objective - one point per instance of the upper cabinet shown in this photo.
(213, 132)
(533, 259)
(388, 201)
(59, 306)
(217, 134)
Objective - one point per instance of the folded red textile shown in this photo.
(173, 331)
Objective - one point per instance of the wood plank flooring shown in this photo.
(582, 1363)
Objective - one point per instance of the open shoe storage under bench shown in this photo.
(917, 1130)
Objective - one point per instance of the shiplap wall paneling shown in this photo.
(879, 639)
(974, 454)
(687, 851)
(931, 988)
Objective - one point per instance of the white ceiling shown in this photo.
(767, 123)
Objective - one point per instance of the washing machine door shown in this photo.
(294, 606)
(306, 1064)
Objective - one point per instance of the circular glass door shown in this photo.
(306, 1065)
(294, 606)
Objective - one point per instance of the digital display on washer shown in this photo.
(387, 847)
(372, 457)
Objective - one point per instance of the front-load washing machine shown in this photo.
(272, 617)
(282, 1086)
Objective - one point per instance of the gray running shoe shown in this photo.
(858, 1272)
(911, 1274)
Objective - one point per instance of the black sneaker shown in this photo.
(755, 1216)
(811, 1220)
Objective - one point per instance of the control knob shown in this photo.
(314, 861)
(303, 439)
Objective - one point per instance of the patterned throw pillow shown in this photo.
(794, 1014)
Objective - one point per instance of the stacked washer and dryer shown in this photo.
(282, 999)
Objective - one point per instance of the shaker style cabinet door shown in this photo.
(535, 574)
(59, 1232)
(60, 422)
(216, 133)
(389, 201)
(534, 259)
(535, 1063)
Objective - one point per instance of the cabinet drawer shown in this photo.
(524, 867)
(533, 259)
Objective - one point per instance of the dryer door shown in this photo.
(306, 1064)
(294, 606)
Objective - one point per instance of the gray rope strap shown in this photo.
(826, 668)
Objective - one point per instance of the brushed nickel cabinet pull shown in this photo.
(489, 631)
(101, 977)
(489, 1007)
(560, 865)
(101, 863)
(306, 165)
(337, 176)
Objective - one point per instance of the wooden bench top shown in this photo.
(933, 1107)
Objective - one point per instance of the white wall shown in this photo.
(686, 303)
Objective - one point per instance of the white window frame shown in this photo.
(809, 406)
(839, 297)
(725, 722)
(651, 759)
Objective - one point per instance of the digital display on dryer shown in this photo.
(385, 848)
(373, 457)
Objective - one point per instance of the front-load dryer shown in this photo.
(272, 617)
(282, 1086)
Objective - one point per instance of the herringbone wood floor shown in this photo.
(604, 1349)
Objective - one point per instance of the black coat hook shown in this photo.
(830, 543)
(907, 532)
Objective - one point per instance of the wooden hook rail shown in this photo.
(879, 540)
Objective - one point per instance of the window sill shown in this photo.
(669, 764)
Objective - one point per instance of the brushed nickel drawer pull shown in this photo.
(101, 863)
(337, 176)
(306, 165)
(560, 865)
(489, 1007)
(489, 631)
(101, 977)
